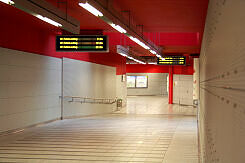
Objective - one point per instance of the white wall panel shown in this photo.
(183, 89)
(157, 84)
(222, 83)
(91, 80)
(30, 86)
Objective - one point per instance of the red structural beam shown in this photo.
(148, 68)
(170, 85)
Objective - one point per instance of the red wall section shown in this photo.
(139, 68)
(24, 32)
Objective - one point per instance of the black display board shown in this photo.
(82, 43)
(172, 60)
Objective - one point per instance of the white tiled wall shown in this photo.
(91, 80)
(30, 86)
(183, 89)
(121, 90)
(157, 84)
(222, 83)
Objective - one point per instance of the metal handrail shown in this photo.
(90, 100)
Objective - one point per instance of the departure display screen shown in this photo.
(82, 43)
(172, 60)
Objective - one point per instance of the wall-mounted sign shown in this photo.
(141, 81)
(137, 81)
(82, 43)
(131, 81)
(172, 60)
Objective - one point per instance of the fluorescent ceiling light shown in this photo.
(129, 57)
(153, 52)
(122, 54)
(139, 61)
(91, 9)
(159, 56)
(152, 63)
(9, 2)
(118, 28)
(49, 20)
(139, 42)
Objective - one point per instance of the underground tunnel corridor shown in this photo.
(143, 136)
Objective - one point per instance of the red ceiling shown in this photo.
(176, 25)
(168, 15)
(179, 24)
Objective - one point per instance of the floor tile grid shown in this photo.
(139, 149)
(149, 137)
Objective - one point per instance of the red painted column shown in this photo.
(170, 84)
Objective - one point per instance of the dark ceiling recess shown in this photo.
(175, 25)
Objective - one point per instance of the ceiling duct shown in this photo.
(126, 52)
(49, 13)
(122, 49)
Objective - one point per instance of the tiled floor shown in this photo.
(108, 138)
(155, 105)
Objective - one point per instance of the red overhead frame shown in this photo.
(148, 68)
(170, 85)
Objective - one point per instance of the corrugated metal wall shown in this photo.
(222, 84)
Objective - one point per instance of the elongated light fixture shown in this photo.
(153, 52)
(139, 42)
(118, 28)
(9, 2)
(48, 20)
(139, 61)
(122, 54)
(136, 60)
(152, 63)
(91, 9)
(129, 57)
(158, 56)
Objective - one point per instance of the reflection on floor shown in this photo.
(155, 105)
(107, 138)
